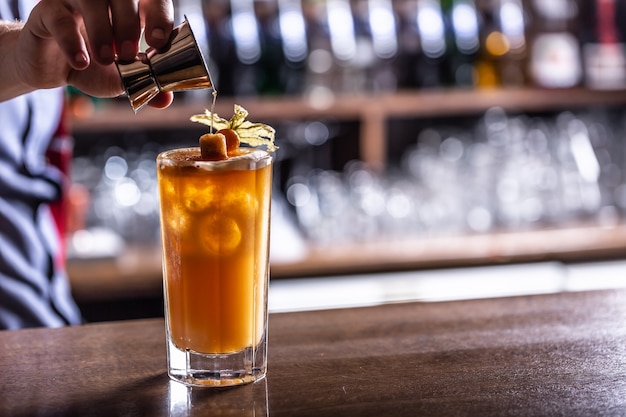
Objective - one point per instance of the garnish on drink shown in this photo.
(230, 133)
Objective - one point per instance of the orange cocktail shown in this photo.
(215, 233)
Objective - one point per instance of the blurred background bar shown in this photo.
(414, 135)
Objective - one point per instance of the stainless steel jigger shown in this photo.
(177, 67)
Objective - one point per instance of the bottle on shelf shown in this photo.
(555, 60)
(321, 79)
(244, 28)
(503, 49)
(295, 47)
(351, 43)
(603, 45)
(357, 69)
(432, 35)
(409, 49)
(382, 28)
(463, 37)
(272, 64)
(222, 56)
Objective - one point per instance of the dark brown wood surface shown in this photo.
(546, 355)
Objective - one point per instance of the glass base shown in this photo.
(217, 370)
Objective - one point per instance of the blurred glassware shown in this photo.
(508, 173)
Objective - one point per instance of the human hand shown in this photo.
(76, 41)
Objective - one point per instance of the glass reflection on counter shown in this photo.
(249, 400)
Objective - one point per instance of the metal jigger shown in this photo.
(177, 67)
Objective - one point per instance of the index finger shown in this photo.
(158, 18)
(126, 28)
(95, 15)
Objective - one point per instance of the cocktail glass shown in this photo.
(215, 226)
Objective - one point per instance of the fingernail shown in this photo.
(158, 33)
(106, 53)
(81, 60)
(127, 49)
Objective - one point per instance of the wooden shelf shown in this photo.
(566, 245)
(137, 272)
(118, 116)
(371, 110)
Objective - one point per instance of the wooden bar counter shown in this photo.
(544, 355)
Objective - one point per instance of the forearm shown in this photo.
(11, 83)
